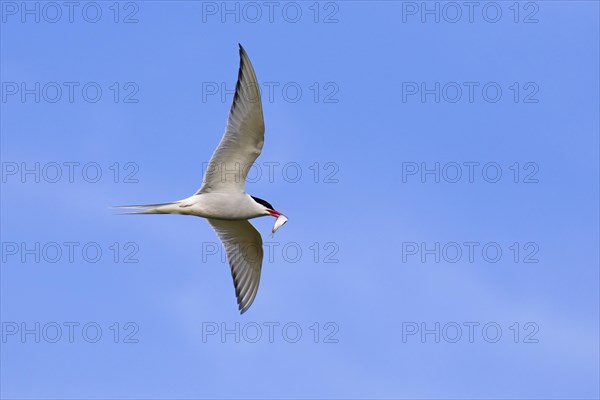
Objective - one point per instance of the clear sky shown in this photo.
(438, 163)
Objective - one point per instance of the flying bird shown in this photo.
(222, 198)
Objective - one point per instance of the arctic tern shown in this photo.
(222, 198)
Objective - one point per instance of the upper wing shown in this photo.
(243, 245)
(244, 136)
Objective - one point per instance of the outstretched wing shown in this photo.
(244, 136)
(243, 245)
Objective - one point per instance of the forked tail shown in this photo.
(161, 208)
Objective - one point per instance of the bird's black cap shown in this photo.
(263, 202)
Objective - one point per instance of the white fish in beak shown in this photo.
(282, 219)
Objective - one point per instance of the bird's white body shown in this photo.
(222, 198)
(218, 205)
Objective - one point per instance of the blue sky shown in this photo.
(439, 170)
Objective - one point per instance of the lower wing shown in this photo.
(243, 245)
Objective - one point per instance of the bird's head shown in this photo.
(270, 210)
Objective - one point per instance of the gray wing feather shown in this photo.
(244, 135)
(243, 245)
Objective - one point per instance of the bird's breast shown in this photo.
(230, 206)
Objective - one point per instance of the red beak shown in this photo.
(274, 213)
